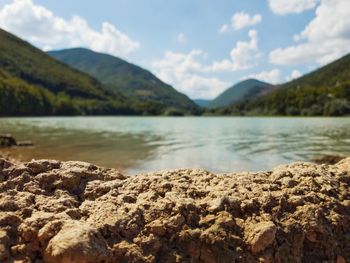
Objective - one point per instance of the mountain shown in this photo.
(126, 78)
(33, 83)
(325, 91)
(244, 90)
(201, 102)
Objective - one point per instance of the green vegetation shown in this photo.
(128, 79)
(244, 90)
(201, 102)
(20, 59)
(324, 92)
(34, 84)
(18, 98)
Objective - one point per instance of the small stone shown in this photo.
(340, 259)
(76, 242)
(311, 236)
(157, 228)
(261, 236)
(346, 203)
(4, 252)
(3, 237)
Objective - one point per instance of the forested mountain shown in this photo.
(128, 79)
(323, 92)
(244, 90)
(202, 102)
(33, 83)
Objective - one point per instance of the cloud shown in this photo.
(273, 76)
(188, 74)
(283, 7)
(42, 27)
(243, 56)
(324, 39)
(224, 28)
(181, 38)
(294, 75)
(241, 20)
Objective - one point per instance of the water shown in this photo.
(143, 144)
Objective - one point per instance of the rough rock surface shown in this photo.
(55, 211)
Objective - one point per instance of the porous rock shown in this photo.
(62, 212)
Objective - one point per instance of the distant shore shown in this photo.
(79, 212)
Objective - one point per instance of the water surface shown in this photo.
(143, 144)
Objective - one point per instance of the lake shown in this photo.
(144, 144)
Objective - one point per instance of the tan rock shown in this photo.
(4, 249)
(340, 259)
(76, 243)
(260, 236)
(78, 212)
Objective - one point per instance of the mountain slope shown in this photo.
(325, 91)
(202, 102)
(243, 90)
(30, 78)
(130, 80)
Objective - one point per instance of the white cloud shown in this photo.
(243, 56)
(224, 28)
(325, 38)
(283, 7)
(241, 20)
(273, 76)
(42, 27)
(294, 75)
(181, 38)
(188, 74)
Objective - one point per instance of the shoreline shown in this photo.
(78, 212)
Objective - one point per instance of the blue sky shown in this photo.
(200, 47)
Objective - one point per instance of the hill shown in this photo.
(33, 83)
(202, 102)
(244, 90)
(325, 92)
(126, 78)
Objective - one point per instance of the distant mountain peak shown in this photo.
(243, 90)
(324, 91)
(129, 79)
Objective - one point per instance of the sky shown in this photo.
(201, 47)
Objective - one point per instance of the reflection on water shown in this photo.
(142, 144)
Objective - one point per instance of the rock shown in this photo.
(157, 228)
(340, 259)
(6, 140)
(4, 252)
(328, 159)
(260, 236)
(25, 143)
(77, 243)
(78, 212)
(40, 166)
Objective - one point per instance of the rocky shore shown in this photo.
(53, 211)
